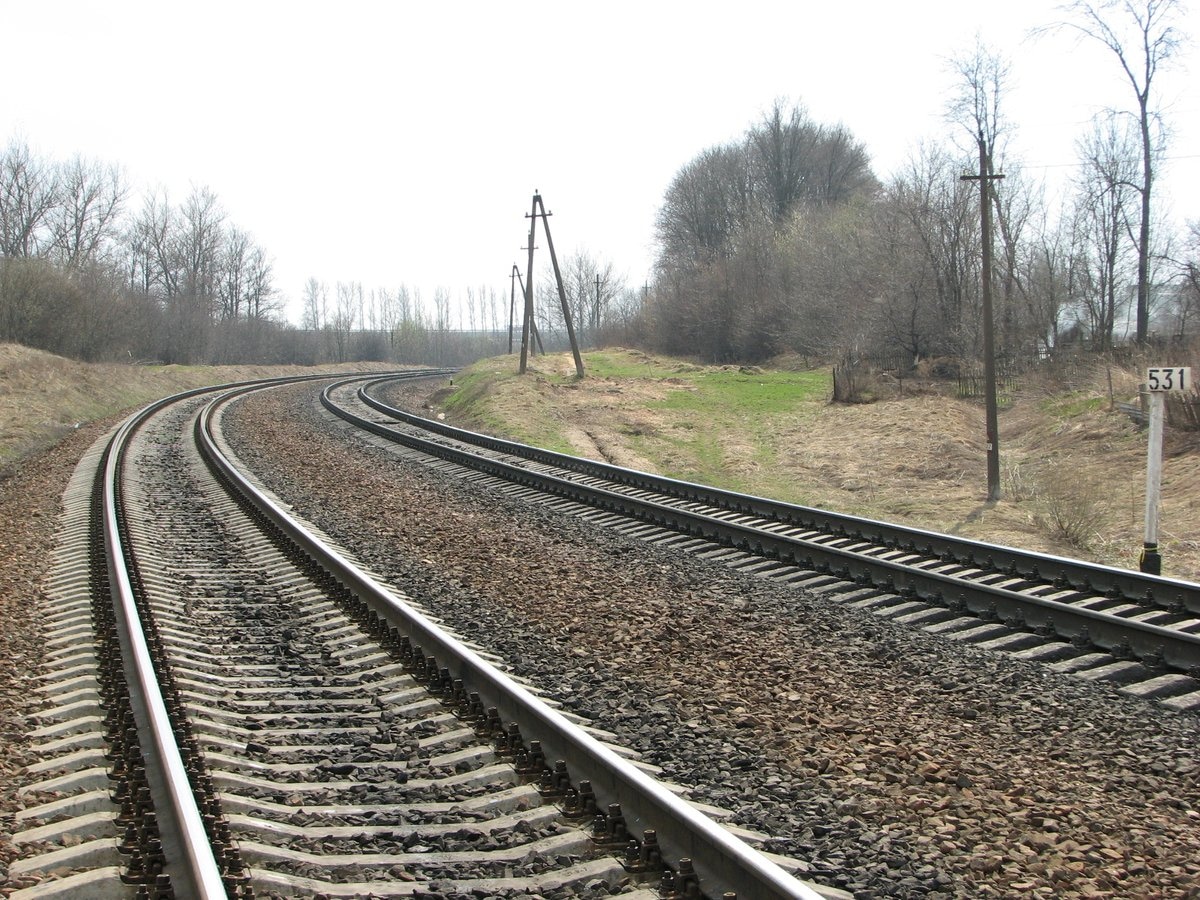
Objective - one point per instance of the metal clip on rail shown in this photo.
(580, 803)
(609, 829)
(644, 856)
(554, 784)
(682, 884)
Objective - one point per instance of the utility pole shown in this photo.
(528, 288)
(534, 334)
(512, 303)
(529, 325)
(985, 177)
(562, 293)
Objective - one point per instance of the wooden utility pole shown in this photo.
(985, 177)
(529, 325)
(535, 335)
(528, 320)
(562, 293)
(512, 303)
(595, 321)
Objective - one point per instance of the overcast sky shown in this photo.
(400, 142)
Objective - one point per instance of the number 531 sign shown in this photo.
(1163, 378)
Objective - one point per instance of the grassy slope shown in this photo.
(1073, 468)
(43, 397)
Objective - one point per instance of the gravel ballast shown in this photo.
(894, 762)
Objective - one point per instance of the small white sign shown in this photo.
(1169, 378)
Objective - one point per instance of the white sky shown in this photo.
(400, 142)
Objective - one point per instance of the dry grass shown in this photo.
(1073, 468)
(44, 397)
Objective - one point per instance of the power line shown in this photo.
(1076, 165)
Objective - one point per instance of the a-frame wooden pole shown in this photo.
(562, 294)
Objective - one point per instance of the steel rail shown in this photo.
(722, 861)
(190, 863)
(1063, 572)
(1114, 633)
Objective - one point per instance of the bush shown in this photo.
(1070, 506)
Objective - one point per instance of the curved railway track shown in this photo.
(239, 710)
(1104, 623)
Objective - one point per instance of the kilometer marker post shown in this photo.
(1160, 380)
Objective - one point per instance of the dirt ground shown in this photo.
(1073, 465)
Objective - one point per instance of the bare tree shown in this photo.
(345, 304)
(178, 252)
(201, 233)
(154, 238)
(262, 299)
(1141, 34)
(780, 150)
(590, 285)
(1106, 208)
(721, 289)
(90, 201)
(938, 254)
(233, 273)
(1186, 297)
(314, 302)
(835, 268)
(28, 194)
(441, 309)
(1047, 288)
(793, 160)
(704, 207)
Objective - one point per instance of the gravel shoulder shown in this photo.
(30, 502)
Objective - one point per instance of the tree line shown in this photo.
(785, 241)
(86, 272)
(83, 275)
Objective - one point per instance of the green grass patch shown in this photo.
(700, 414)
(619, 364)
(470, 391)
(470, 401)
(1071, 406)
(714, 409)
(743, 396)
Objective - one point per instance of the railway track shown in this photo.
(237, 709)
(1102, 623)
